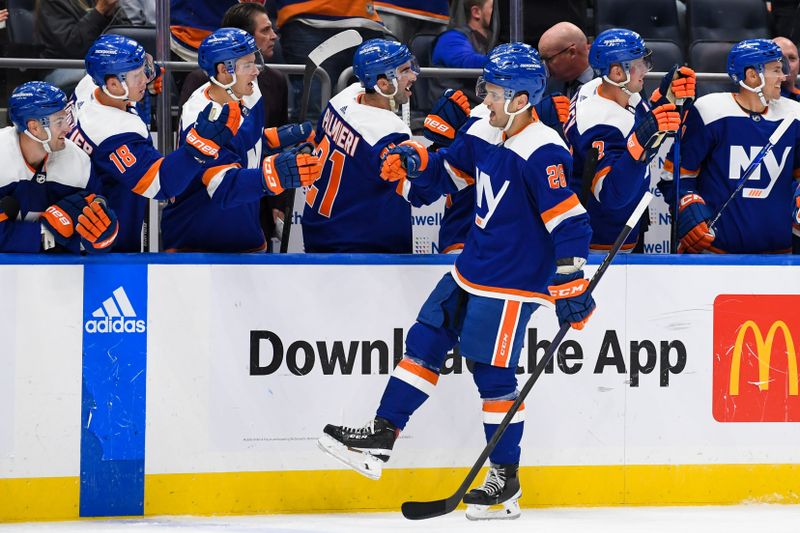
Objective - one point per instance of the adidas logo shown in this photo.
(115, 315)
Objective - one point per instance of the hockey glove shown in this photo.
(97, 225)
(678, 84)
(795, 209)
(449, 113)
(407, 160)
(574, 305)
(693, 230)
(84, 215)
(648, 135)
(553, 110)
(209, 132)
(296, 167)
(157, 85)
(9, 208)
(288, 135)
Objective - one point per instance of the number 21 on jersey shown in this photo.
(334, 167)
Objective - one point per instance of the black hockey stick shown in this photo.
(423, 510)
(330, 47)
(773, 140)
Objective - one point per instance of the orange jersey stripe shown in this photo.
(209, 174)
(600, 175)
(501, 290)
(188, 35)
(453, 247)
(421, 13)
(561, 208)
(336, 9)
(668, 166)
(628, 246)
(148, 177)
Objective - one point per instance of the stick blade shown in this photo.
(334, 45)
(424, 510)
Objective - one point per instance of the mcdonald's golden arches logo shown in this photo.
(756, 375)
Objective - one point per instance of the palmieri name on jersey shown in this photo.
(338, 132)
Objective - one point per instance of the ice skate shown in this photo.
(500, 490)
(362, 449)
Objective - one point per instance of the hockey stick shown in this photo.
(330, 47)
(423, 510)
(773, 140)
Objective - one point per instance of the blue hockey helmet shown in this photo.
(379, 57)
(34, 100)
(116, 55)
(516, 67)
(752, 53)
(225, 46)
(617, 46)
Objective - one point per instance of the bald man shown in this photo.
(564, 48)
(788, 87)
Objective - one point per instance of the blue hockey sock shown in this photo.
(408, 388)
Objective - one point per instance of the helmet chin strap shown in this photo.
(512, 115)
(124, 97)
(622, 85)
(45, 143)
(227, 86)
(758, 90)
(392, 102)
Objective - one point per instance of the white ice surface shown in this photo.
(731, 519)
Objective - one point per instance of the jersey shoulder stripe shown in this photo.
(535, 136)
(101, 122)
(596, 110)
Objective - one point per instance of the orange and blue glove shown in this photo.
(679, 83)
(407, 160)
(648, 135)
(449, 113)
(86, 217)
(693, 231)
(209, 133)
(287, 135)
(796, 208)
(296, 167)
(553, 110)
(574, 304)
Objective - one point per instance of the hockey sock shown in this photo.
(408, 388)
(507, 450)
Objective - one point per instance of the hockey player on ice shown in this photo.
(724, 131)
(527, 248)
(47, 196)
(219, 210)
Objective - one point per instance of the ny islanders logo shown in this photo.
(115, 315)
(486, 194)
(740, 159)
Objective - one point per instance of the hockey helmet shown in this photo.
(116, 55)
(225, 46)
(752, 53)
(34, 100)
(516, 67)
(379, 57)
(617, 46)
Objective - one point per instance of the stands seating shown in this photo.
(726, 20)
(711, 56)
(653, 19)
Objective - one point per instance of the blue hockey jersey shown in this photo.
(525, 215)
(350, 208)
(63, 172)
(618, 180)
(129, 168)
(720, 141)
(219, 210)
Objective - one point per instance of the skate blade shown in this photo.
(363, 463)
(508, 510)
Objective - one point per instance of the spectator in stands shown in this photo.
(191, 21)
(140, 12)
(252, 18)
(304, 25)
(407, 18)
(67, 28)
(564, 48)
(465, 46)
(789, 86)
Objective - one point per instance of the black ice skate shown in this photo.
(362, 449)
(501, 487)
